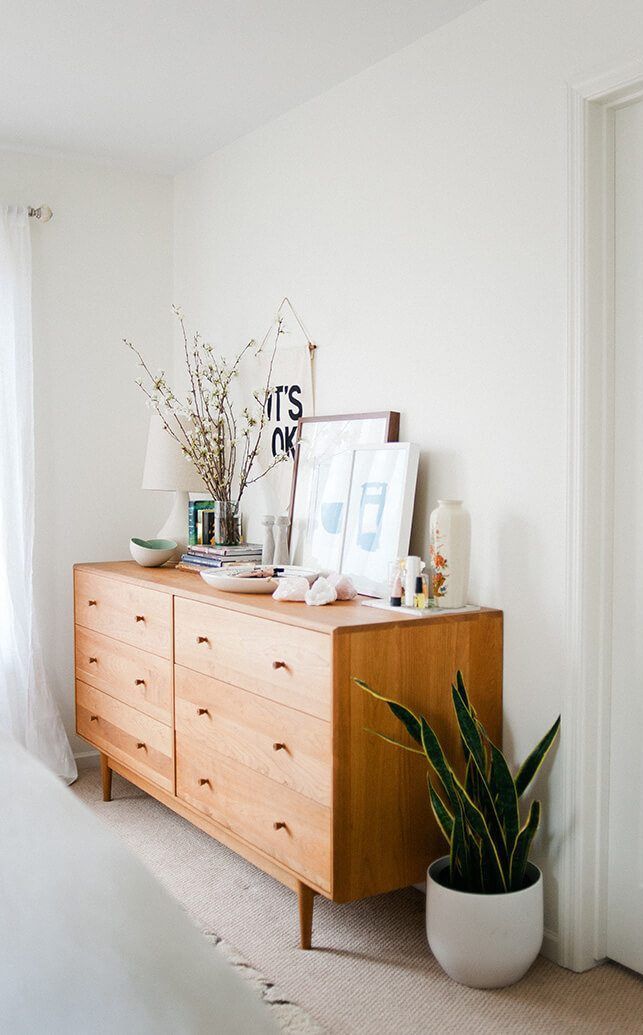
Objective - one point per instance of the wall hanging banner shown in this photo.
(292, 397)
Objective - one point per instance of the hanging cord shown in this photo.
(311, 344)
(286, 302)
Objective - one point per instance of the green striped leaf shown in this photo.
(476, 821)
(460, 800)
(493, 881)
(471, 779)
(443, 816)
(503, 791)
(532, 764)
(469, 731)
(523, 844)
(459, 859)
(477, 786)
(435, 755)
(406, 717)
(392, 740)
(474, 877)
(462, 690)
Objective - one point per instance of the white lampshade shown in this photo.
(165, 465)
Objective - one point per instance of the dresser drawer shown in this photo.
(292, 748)
(127, 735)
(134, 676)
(139, 616)
(290, 828)
(281, 662)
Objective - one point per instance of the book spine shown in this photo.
(192, 523)
(247, 550)
(182, 566)
(194, 507)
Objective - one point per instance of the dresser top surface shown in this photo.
(349, 614)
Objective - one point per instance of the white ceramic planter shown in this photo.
(484, 941)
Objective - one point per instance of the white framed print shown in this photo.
(379, 512)
(321, 481)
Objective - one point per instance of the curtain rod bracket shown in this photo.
(43, 213)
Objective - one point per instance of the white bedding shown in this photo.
(89, 941)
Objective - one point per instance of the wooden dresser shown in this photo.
(240, 713)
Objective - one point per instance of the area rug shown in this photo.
(370, 971)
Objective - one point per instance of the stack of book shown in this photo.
(205, 558)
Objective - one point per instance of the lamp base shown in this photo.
(176, 525)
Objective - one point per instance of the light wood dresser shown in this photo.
(240, 713)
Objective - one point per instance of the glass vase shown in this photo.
(227, 523)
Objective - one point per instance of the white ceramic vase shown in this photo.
(484, 941)
(450, 543)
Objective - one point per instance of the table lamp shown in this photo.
(167, 469)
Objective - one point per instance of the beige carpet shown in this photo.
(371, 971)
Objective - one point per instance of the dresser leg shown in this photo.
(106, 777)
(306, 897)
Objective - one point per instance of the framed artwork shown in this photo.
(359, 513)
(319, 443)
(379, 513)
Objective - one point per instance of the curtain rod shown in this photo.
(43, 213)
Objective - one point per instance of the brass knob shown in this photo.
(204, 781)
(279, 664)
(140, 618)
(139, 682)
(202, 711)
(140, 744)
(278, 747)
(91, 603)
(93, 718)
(278, 826)
(93, 661)
(202, 639)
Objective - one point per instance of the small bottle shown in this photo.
(413, 569)
(281, 554)
(395, 599)
(268, 549)
(420, 598)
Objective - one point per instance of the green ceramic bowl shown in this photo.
(151, 553)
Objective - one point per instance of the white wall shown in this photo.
(101, 271)
(417, 217)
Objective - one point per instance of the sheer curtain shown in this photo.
(27, 708)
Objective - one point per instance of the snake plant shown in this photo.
(480, 814)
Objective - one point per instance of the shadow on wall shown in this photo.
(446, 471)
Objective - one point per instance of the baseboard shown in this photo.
(86, 760)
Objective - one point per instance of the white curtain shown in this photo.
(27, 708)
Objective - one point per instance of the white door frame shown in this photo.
(590, 431)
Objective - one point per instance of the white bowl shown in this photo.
(236, 584)
(151, 553)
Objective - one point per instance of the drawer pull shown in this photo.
(139, 682)
(279, 826)
(202, 711)
(140, 618)
(203, 782)
(278, 747)
(93, 718)
(91, 603)
(279, 664)
(141, 745)
(202, 639)
(93, 661)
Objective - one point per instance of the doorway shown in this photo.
(601, 871)
(624, 941)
